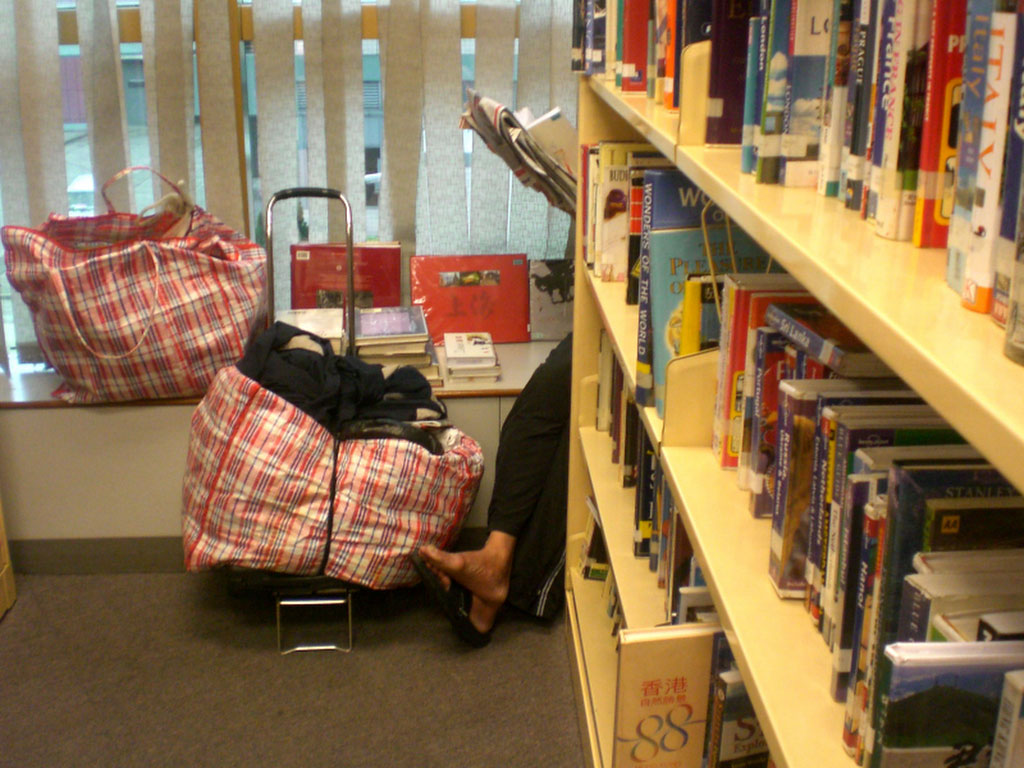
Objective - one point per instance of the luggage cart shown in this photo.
(293, 593)
(311, 516)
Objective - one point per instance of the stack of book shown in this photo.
(393, 336)
(470, 357)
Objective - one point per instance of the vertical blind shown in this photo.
(233, 141)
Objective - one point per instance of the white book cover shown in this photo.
(469, 350)
(980, 265)
(1008, 745)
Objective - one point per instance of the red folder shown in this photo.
(319, 272)
(461, 294)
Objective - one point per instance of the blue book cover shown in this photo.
(769, 134)
(1010, 197)
(670, 200)
(859, 491)
(922, 682)
(813, 329)
(752, 90)
(769, 367)
(972, 108)
(859, 103)
(675, 254)
(805, 81)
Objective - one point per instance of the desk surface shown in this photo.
(518, 361)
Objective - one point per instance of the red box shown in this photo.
(463, 294)
(319, 274)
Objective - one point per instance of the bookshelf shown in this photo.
(7, 593)
(892, 295)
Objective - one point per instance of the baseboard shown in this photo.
(151, 554)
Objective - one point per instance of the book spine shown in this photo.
(915, 607)
(972, 105)
(644, 392)
(636, 206)
(814, 345)
(940, 127)
(788, 544)
(873, 531)
(1006, 245)
(770, 133)
(980, 267)
(833, 122)
(764, 438)
(672, 13)
(729, 31)
(888, 106)
(720, 425)
(909, 159)
(1008, 741)
(822, 512)
(810, 21)
(736, 353)
(634, 45)
(748, 151)
(863, 59)
(819, 464)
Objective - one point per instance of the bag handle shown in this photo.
(184, 203)
(65, 305)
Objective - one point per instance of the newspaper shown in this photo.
(506, 137)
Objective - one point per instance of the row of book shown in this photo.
(831, 446)
(864, 484)
(729, 734)
(906, 110)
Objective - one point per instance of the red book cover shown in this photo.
(320, 273)
(935, 183)
(460, 294)
(635, 15)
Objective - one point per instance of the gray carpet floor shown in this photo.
(171, 670)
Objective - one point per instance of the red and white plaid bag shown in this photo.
(129, 307)
(257, 491)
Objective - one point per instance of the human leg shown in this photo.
(525, 547)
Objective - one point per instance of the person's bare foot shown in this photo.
(484, 572)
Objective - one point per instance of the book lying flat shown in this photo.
(379, 325)
(469, 350)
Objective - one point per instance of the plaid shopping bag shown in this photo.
(129, 307)
(257, 491)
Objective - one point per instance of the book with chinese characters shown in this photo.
(319, 274)
(661, 689)
(487, 292)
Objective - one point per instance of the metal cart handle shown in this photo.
(350, 294)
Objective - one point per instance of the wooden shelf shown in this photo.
(598, 662)
(785, 662)
(891, 294)
(643, 603)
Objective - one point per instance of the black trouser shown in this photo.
(531, 484)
